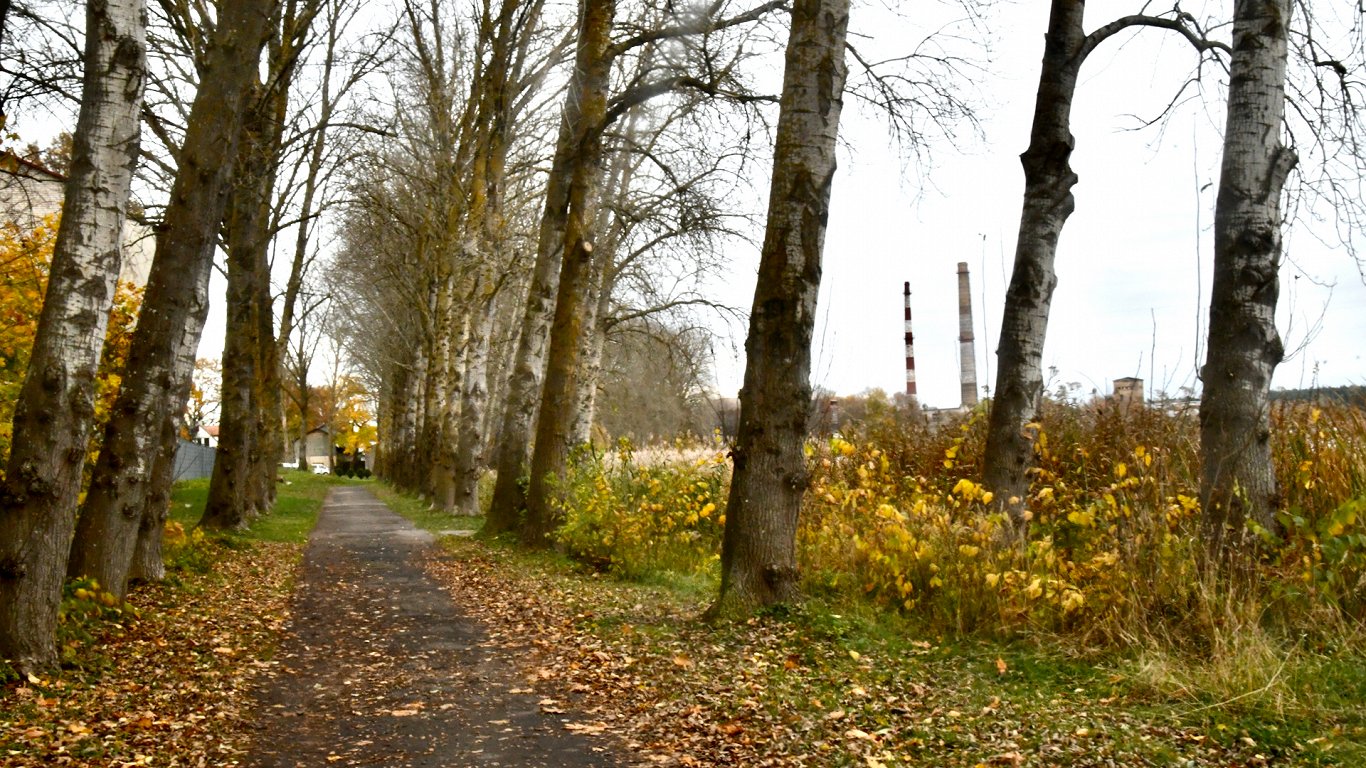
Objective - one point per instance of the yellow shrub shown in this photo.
(633, 518)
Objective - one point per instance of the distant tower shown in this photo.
(910, 348)
(966, 353)
(1128, 394)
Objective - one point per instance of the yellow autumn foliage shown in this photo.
(25, 258)
(1111, 546)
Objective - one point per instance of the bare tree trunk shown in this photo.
(384, 428)
(469, 457)
(759, 548)
(55, 410)
(1238, 482)
(270, 412)
(437, 389)
(555, 415)
(243, 483)
(495, 113)
(272, 430)
(410, 475)
(161, 358)
(590, 363)
(447, 459)
(528, 367)
(234, 496)
(609, 229)
(147, 563)
(1048, 202)
(303, 358)
(231, 503)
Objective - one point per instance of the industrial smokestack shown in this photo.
(966, 353)
(910, 348)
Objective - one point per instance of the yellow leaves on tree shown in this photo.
(25, 258)
(353, 421)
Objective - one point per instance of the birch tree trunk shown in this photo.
(1238, 482)
(491, 133)
(591, 348)
(410, 475)
(437, 389)
(759, 548)
(610, 236)
(161, 357)
(55, 410)
(447, 452)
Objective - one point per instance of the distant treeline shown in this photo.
(1349, 395)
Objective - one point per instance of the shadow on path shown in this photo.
(381, 669)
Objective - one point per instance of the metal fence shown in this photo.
(193, 461)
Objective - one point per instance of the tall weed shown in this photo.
(895, 516)
(635, 517)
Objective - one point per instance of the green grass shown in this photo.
(298, 501)
(423, 514)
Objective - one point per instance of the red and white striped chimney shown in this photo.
(967, 356)
(910, 348)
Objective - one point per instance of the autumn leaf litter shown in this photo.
(636, 661)
(173, 685)
(169, 687)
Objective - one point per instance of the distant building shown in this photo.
(1128, 394)
(318, 446)
(206, 434)
(29, 193)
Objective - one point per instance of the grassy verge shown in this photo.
(166, 678)
(300, 498)
(839, 684)
(422, 513)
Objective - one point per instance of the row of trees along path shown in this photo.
(440, 249)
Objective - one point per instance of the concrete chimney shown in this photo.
(910, 348)
(967, 355)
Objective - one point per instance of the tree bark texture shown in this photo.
(1238, 482)
(1048, 202)
(270, 413)
(590, 350)
(161, 357)
(408, 474)
(469, 457)
(528, 368)
(55, 410)
(610, 229)
(555, 417)
(446, 455)
(243, 483)
(759, 548)
(147, 562)
(492, 132)
(232, 503)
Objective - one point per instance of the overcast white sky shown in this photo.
(1134, 262)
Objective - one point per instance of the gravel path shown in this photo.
(380, 668)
